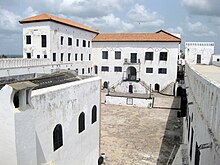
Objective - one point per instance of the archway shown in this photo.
(130, 90)
(157, 87)
(105, 85)
(132, 73)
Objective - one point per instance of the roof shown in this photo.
(48, 17)
(160, 36)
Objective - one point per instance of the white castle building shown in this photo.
(199, 52)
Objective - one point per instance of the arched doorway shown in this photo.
(179, 91)
(105, 85)
(130, 90)
(132, 73)
(157, 87)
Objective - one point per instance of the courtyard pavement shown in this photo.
(140, 136)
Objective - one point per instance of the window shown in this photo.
(83, 71)
(61, 57)
(105, 68)
(149, 70)
(96, 69)
(28, 55)
(149, 56)
(89, 44)
(84, 43)
(89, 57)
(54, 56)
(45, 56)
(76, 57)
(38, 56)
(61, 40)
(104, 54)
(77, 42)
(28, 39)
(118, 69)
(81, 57)
(94, 114)
(162, 70)
(117, 55)
(163, 56)
(88, 70)
(69, 56)
(57, 137)
(43, 41)
(218, 59)
(81, 122)
(69, 41)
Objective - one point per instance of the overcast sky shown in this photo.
(196, 20)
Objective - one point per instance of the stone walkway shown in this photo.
(138, 136)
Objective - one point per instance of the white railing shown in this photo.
(19, 62)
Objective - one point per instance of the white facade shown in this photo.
(199, 52)
(72, 55)
(116, 78)
(27, 131)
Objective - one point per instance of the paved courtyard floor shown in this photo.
(140, 136)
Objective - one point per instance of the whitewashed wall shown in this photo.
(140, 48)
(204, 114)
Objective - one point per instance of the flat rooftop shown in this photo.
(210, 72)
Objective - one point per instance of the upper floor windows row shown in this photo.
(148, 55)
(69, 56)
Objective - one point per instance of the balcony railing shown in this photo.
(132, 61)
(132, 78)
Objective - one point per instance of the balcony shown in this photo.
(132, 61)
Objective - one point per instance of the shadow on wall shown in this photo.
(40, 155)
(172, 137)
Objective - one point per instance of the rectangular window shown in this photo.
(76, 57)
(28, 55)
(81, 57)
(104, 54)
(61, 40)
(38, 56)
(105, 68)
(28, 39)
(83, 71)
(149, 56)
(77, 42)
(89, 57)
(44, 41)
(61, 57)
(118, 69)
(88, 70)
(54, 56)
(89, 44)
(69, 41)
(84, 43)
(162, 70)
(45, 56)
(163, 56)
(69, 56)
(117, 55)
(149, 70)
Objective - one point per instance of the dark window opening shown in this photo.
(69, 56)
(57, 137)
(81, 122)
(96, 69)
(88, 70)
(83, 71)
(163, 56)
(28, 55)
(130, 90)
(84, 43)
(61, 57)
(118, 69)
(76, 57)
(69, 41)
(89, 44)
(27, 96)
(77, 42)
(133, 57)
(45, 56)
(43, 41)
(105, 68)
(89, 57)
(149, 56)
(162, 70)
(28, 39)
(16, 100)
(38, 56)
(54, 56)
(94, 114)
(81, 57)
(105, 85)
(149, 70)
(191, 144)
(104, 54)
(61, 40)
(117, 55)
(157, 87)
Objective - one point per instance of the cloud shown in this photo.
(177, 29)
(29, 11)
(199, 30)
(139, 14)
(9, 20)
(202, 7)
